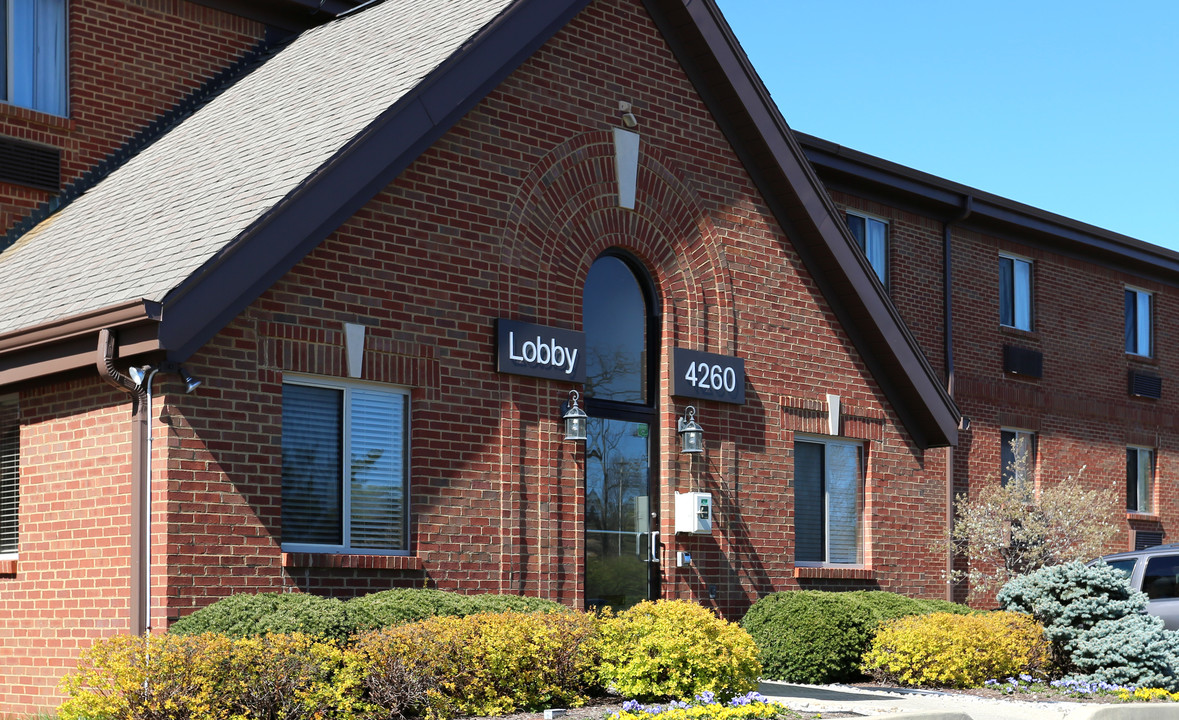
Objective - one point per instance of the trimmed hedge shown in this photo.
(254, 615)
(813, 636)
(249, 615)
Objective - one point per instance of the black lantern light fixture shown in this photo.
(691, 434)
(575, 418)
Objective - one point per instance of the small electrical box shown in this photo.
(693, 513)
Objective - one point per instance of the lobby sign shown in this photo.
(539, 351)
(707, 376)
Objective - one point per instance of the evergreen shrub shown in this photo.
(1133, 651)
(1070, 599)
(953, 650)
(675, 649)
(810, 636)
(253, 615)
(889, 605)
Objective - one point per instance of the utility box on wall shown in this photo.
(693, 513)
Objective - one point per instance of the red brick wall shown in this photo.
(130, 60)
(1080, 408)
(502, 218)
(72, 577)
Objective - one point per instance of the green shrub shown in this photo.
(209, 677)
(390, 608)
(889, 605)
(1133, 651)
(1070, 599)
(249, 615)
(948, 650)
(485, 664)
(810, 636)
(676, 649)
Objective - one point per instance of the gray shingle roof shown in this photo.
(153, 222)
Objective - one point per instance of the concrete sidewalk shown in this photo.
(934, 705)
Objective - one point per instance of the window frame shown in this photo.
(1027, 294)
(10, 410)
(827, 441)
(882, 273)
(346, 387)
(1004, 445)
(1136, 339)
(1150, 479)
(59, 104)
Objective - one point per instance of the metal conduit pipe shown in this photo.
(948, 324)
(140, 477)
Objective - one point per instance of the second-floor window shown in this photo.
(35, 61)
(1015, 292)
(1139, 479)
(872, 237)
(1138, 312)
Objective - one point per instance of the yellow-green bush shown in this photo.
(676, 649)
(485, 664)
(945, 650)
(209, 677)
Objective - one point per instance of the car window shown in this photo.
(1160, 578)
(1126, 566)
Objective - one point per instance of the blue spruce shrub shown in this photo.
(1070, 599)
(1134, 650)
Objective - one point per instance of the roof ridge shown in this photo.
(251, 60)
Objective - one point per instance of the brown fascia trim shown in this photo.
(859, 173)
(289, 15)
(725, 79)
(64, 345)
(216, 293)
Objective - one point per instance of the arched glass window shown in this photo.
(615, 317)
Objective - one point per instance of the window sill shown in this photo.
(44, 119)
(1019, 332)
(359, 562)
(835, 572)
(1144, 517)
(8, 568)
(1148, 360)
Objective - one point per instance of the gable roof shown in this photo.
(174, 244)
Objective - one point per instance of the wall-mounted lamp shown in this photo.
(575, 418)
(691, 434)
(628, 117)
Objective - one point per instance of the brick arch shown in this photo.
(565, 215)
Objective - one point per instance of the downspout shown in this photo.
(140, 475)
(948, 324)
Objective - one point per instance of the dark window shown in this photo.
(344, 467)
(872, 237)
(1139, 479)
(9, 478)
(1015, 293)
(1158, 580)
(1138, 322)
(34, 57)
(1018, 456)
(1125, 566)
(828, 502)
(615, 322)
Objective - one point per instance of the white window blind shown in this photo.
(9, 478)
(344, 467)
(828, 502)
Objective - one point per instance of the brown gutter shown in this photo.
(948, 323)
(67, 344)
(140, 468)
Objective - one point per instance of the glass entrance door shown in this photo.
(621, 523)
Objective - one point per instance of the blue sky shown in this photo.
(1072, 107)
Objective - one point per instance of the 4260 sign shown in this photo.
(707, 376)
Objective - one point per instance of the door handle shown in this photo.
(654, 543)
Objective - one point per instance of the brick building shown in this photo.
(388, 248)
(1061, 333)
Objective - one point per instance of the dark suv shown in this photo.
(1154, 571)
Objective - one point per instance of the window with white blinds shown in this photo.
(344, 467)
(828, 502)
(9, 478)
